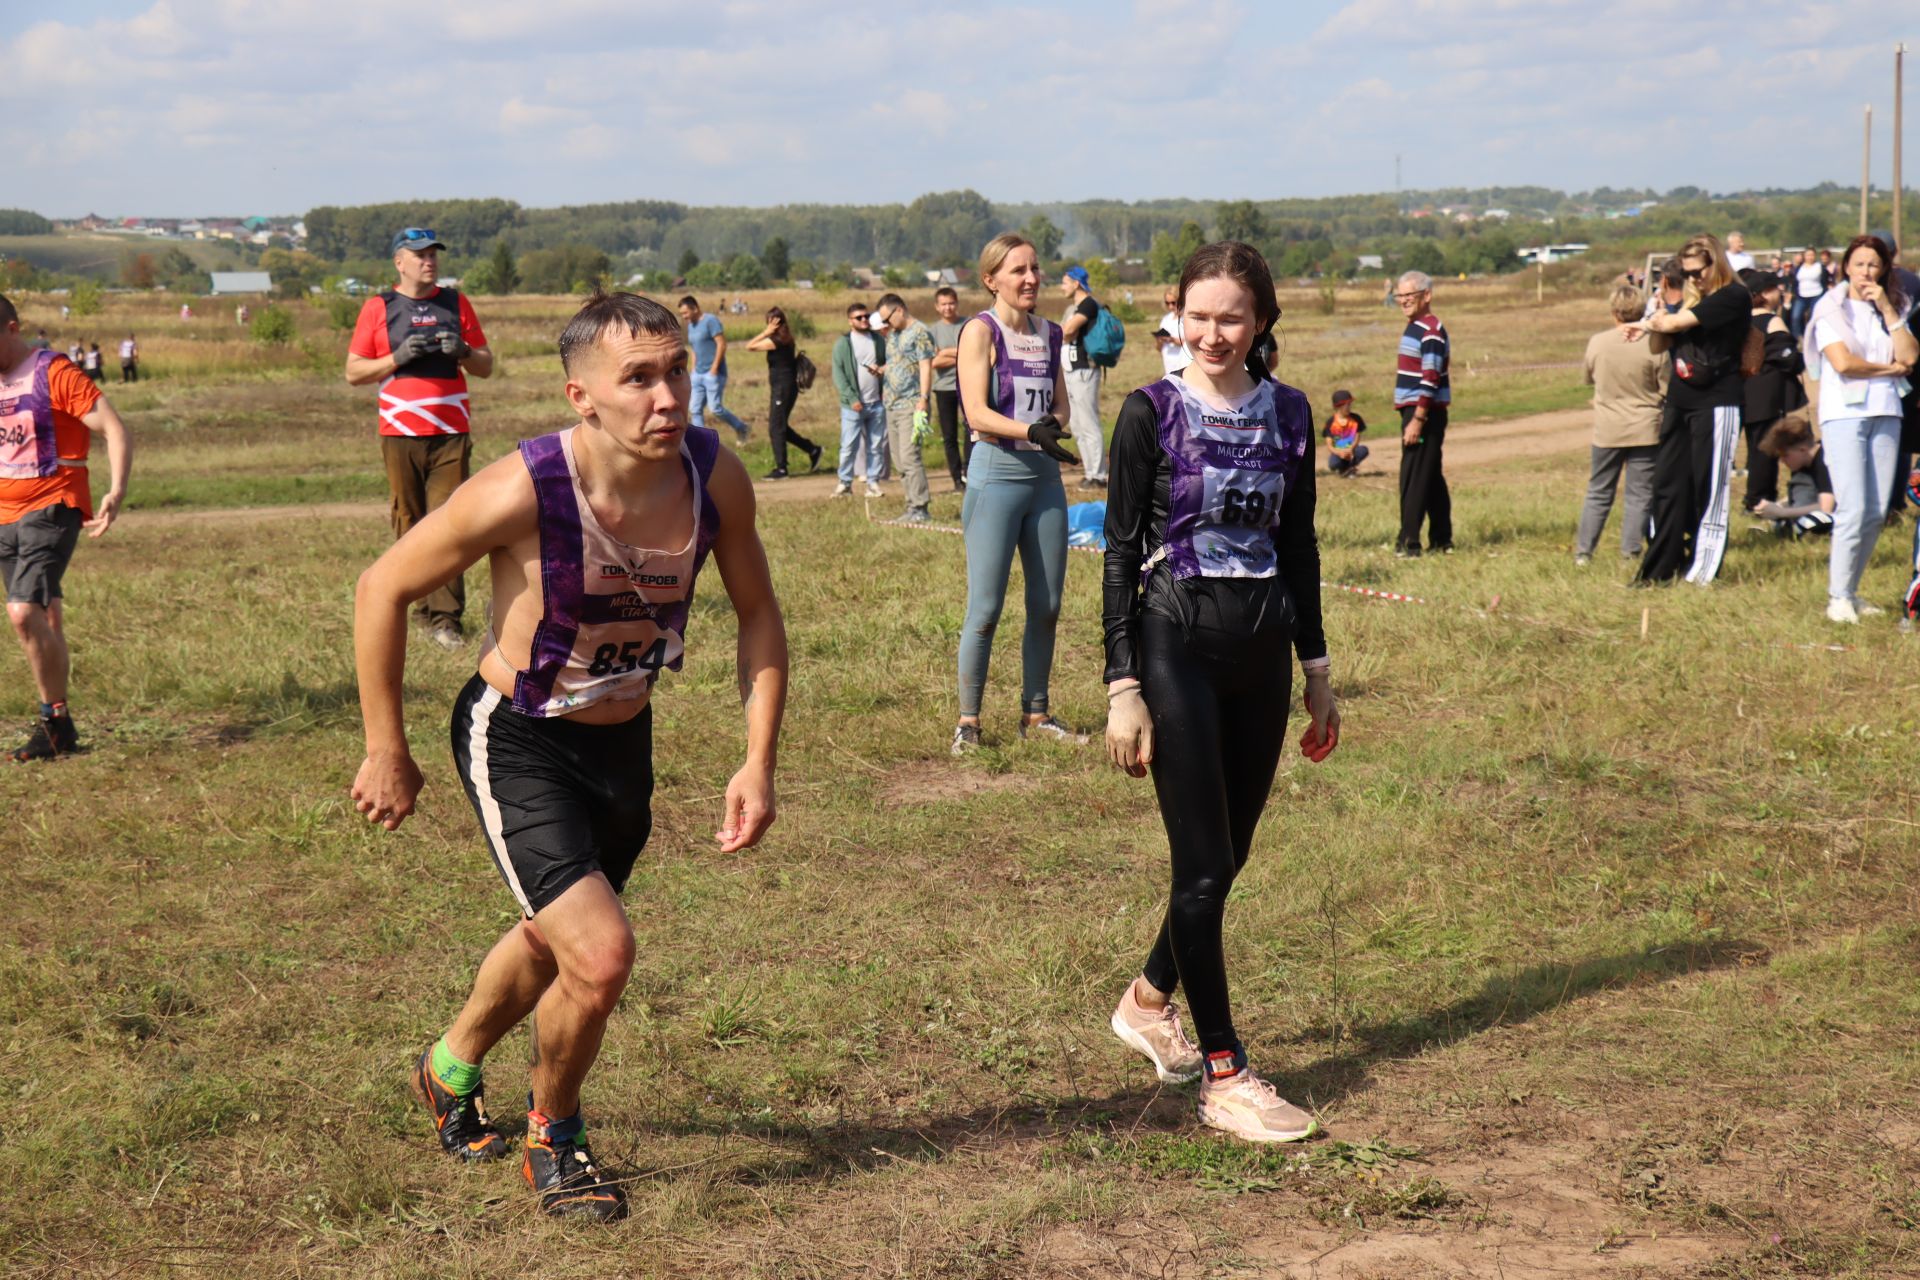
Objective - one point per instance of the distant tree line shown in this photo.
(20, 222)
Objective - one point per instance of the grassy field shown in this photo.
(98, 254)
(1593, 946)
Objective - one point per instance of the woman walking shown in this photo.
(1701, 421)
(1210, 500)
(1809, 285)
(1866, 350)
(1013, 388)
(783, 388)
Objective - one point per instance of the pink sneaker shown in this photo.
(1236, 1101)
(1157, 1033)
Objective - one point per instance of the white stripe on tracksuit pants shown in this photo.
(1710, 539)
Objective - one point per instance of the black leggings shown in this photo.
(778, 432)
(1219, 705)
(953, 435)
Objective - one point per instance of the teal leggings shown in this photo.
(1013, 500)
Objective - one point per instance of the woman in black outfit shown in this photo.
(1701, 422)
(1772, 393)
(783, 388)
(1211, 500)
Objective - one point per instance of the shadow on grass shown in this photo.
(1505, 1000)
(796, 1152)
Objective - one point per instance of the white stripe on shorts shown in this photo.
(1710, 539)
(482, 780)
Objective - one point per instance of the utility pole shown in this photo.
(1866, 167)
(1899, 57)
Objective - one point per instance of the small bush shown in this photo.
(85, 300)
(271, 327)
(342, 312)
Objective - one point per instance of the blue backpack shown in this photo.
(1106, 339)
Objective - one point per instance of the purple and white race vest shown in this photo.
(612, 614)
(1024, 365)
(28, 449)
(1231, 468)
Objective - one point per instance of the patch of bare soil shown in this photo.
(933, 781)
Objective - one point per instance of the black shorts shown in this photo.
(558, 800)
(34, 551)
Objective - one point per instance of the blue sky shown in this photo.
(243, 106)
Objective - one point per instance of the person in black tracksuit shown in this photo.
(1702, 419)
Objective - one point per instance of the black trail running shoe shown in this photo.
(465, 1131)
(51, 738)
(568, 1182)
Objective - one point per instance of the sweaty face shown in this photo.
(1017, 280)
(634, 386)
(1219, 324)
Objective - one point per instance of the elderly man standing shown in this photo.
(907, 392)
(1422, 393)
(419, 341)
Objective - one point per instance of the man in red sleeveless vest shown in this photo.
(49, 413)
(419, 342)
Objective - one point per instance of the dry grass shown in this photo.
(1596, 953)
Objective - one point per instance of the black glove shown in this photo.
(452, 344)
(1047, 434)
(412, 348)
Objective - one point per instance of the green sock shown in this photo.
(461, 1077)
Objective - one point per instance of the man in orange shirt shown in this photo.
(49, 413)
(419, 342)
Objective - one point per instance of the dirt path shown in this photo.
(1469, 445)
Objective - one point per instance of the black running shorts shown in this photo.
(558, 800)
(34, 551)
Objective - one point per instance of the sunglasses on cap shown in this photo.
(413, 235)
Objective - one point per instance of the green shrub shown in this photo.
(271, 327)
(342, 311)
(86, 298)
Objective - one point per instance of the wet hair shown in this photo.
(603, 311)
(1242, 264)
(1627, 303)
(947, 291)
(890, 300)
(689, 301)
(8, 315)
(1791, 432)
(1889, 280)
(994, 254)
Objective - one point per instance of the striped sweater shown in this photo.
(1420, 380)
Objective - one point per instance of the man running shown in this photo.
(49, 414)
(419, 342)
(553, 738)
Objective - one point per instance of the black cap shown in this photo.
(418, 239)
(1342, 397)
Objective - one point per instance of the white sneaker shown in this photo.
(1246, 1106)
(1050, 730)
(1157, 1034)
(843, 491)
(1866, 610)
(873, 490)
(1839, 610)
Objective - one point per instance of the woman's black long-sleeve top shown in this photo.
(1139, 477)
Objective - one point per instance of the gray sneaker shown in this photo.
(966, 737)
(448, 636)
(916, 516)
(1051, 730)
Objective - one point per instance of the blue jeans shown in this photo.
(708, 388)
(1798, 314)
(865, 427)
(1859, 454)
